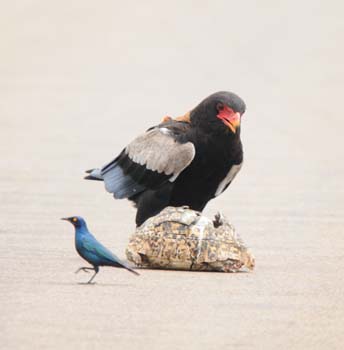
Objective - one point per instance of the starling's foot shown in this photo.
(85, 269)
(91, 279)
(86, 283)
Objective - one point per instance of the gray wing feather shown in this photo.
(156, 150)
(159, 151)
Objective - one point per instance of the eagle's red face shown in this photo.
(228, 116)
(222, 105)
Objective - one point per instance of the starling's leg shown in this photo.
(85, 269)
(96, 270)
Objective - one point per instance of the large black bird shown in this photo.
(184, 161)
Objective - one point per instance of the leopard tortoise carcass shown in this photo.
(184, 239)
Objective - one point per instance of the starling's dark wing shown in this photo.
(155, 157)
(96, 252)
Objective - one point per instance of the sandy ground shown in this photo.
(80, 79)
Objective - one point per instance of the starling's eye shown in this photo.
(75, 219)
(220, 107)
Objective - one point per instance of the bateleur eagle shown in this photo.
(184, 161)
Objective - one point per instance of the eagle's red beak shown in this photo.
(230, 118)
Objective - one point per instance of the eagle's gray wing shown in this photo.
(157, 156)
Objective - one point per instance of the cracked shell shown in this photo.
(184, 239)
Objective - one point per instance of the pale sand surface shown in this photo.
(79, 79)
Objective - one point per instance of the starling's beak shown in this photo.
(230, 118)
(67, 219)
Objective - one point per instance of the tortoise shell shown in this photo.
(184, 239)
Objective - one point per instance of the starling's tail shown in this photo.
(95, 174)
(119, 263)
(133, 271)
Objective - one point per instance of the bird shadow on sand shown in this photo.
(103, 284)
(88, 284)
